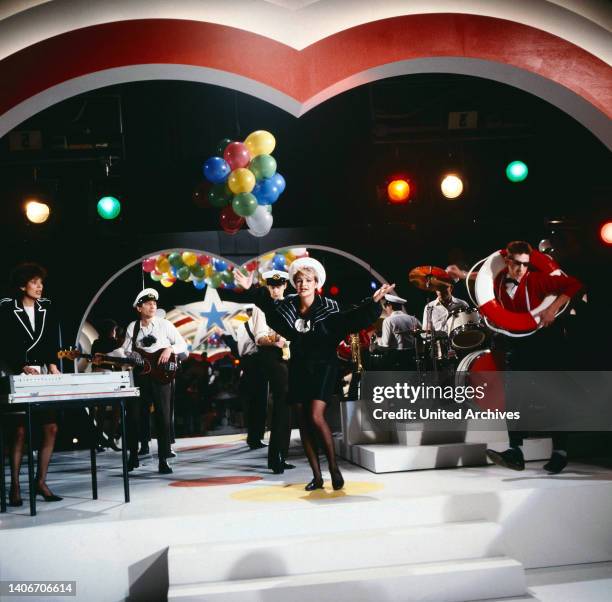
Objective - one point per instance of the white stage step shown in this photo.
(387, 457)
(433, 582)
(247, 559)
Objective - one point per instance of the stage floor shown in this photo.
(222, 491)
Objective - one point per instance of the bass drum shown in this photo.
(465, 329)
(484, 368)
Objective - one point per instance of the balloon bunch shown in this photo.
(245, 182)
(279, 260)
(201, 270)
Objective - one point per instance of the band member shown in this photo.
(397, 338)
(152, 334)
(253, 384)
(273, 355)
(30, 342)
(519, 289)
(436, 312)
(314, 325)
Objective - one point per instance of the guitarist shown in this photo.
(152, 334)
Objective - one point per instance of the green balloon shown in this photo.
(227, 276)
(220, 195)
(176, 260)
(215, 280)
(244, 204)
(221, 147)
(183, 273)
(198, 271)
(263, 166)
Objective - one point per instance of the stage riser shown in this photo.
(300, 555)
(384, 457)
(439, 582)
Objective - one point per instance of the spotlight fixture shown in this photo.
(37, 212)
(452, 186)
(606, 233)
(516, 171)
(398, 191)
(108, 207)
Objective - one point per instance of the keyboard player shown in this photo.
(30, 343)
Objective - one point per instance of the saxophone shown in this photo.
(356, 352)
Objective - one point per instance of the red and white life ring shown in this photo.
(497, 316)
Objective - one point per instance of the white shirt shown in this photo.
(259, 328)
(163, 330)
(29, 309)
(439, 314)
(396, 330)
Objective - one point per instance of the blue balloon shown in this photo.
(219, 265)
(230, 285)
(279, 182)
(279, 263)
(199, 284)
(216, 170)
(266, 192)
(173, 270)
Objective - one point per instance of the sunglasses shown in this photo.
(517, 263)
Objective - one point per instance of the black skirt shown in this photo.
(312, 379)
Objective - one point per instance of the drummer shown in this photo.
(436, 312)
(398, 329)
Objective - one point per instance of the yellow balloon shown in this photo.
(241, 180)
(260, 142)
(166, 282)
(162, 264)
(189, 258)
(208, 271)
(266, 257)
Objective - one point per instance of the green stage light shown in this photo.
(109, 207)
(516, 171)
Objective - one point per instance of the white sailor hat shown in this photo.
(394, 299)
(275, 277)
(307, 262)
(146, 294)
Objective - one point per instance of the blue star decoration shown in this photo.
(215, 317)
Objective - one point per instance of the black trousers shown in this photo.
(276, 371)
(254, 394)
(542, 351)
(161, 396)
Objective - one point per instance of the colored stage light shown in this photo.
(373, 285)
(606, 233)
(37, 212)
(516, 171)
(333, 290)
(109, 207)
(398, 191)
(452, 186)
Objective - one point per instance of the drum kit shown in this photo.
(464, 334)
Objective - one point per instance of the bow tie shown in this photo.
(511, 281)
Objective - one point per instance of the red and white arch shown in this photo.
(298, 53)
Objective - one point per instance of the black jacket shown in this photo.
(22, 346)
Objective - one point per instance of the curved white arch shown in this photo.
(557, 95)
(300, 23)
(139, 261)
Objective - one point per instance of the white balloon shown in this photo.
(260, 221)
(257, 234)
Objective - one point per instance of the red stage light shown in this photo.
(320, 291)
(606, 233)
(333, 290)
(398, 191)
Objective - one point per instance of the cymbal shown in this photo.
(429, 278)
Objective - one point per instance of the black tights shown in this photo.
(313, 423)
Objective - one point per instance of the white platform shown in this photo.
(422, 531)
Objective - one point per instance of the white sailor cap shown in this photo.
(307, 262)
(275, 277)
(394, 299)
(146, 294)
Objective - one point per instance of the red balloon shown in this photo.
(237, 155)
(148, 265)
(251, 266)
(230, 222)
(203, 259)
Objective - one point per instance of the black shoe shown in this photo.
(164, 467)
(314, 484)
(14, 500)
(256, 445)
(172, 454)
(288, 466)
(100, 449)
(133, 461)
(337, 479)
(144, 450)
(511, 458)
(48, 497)
(556, 463)
(112, 445)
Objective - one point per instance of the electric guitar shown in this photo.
(147, 364)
